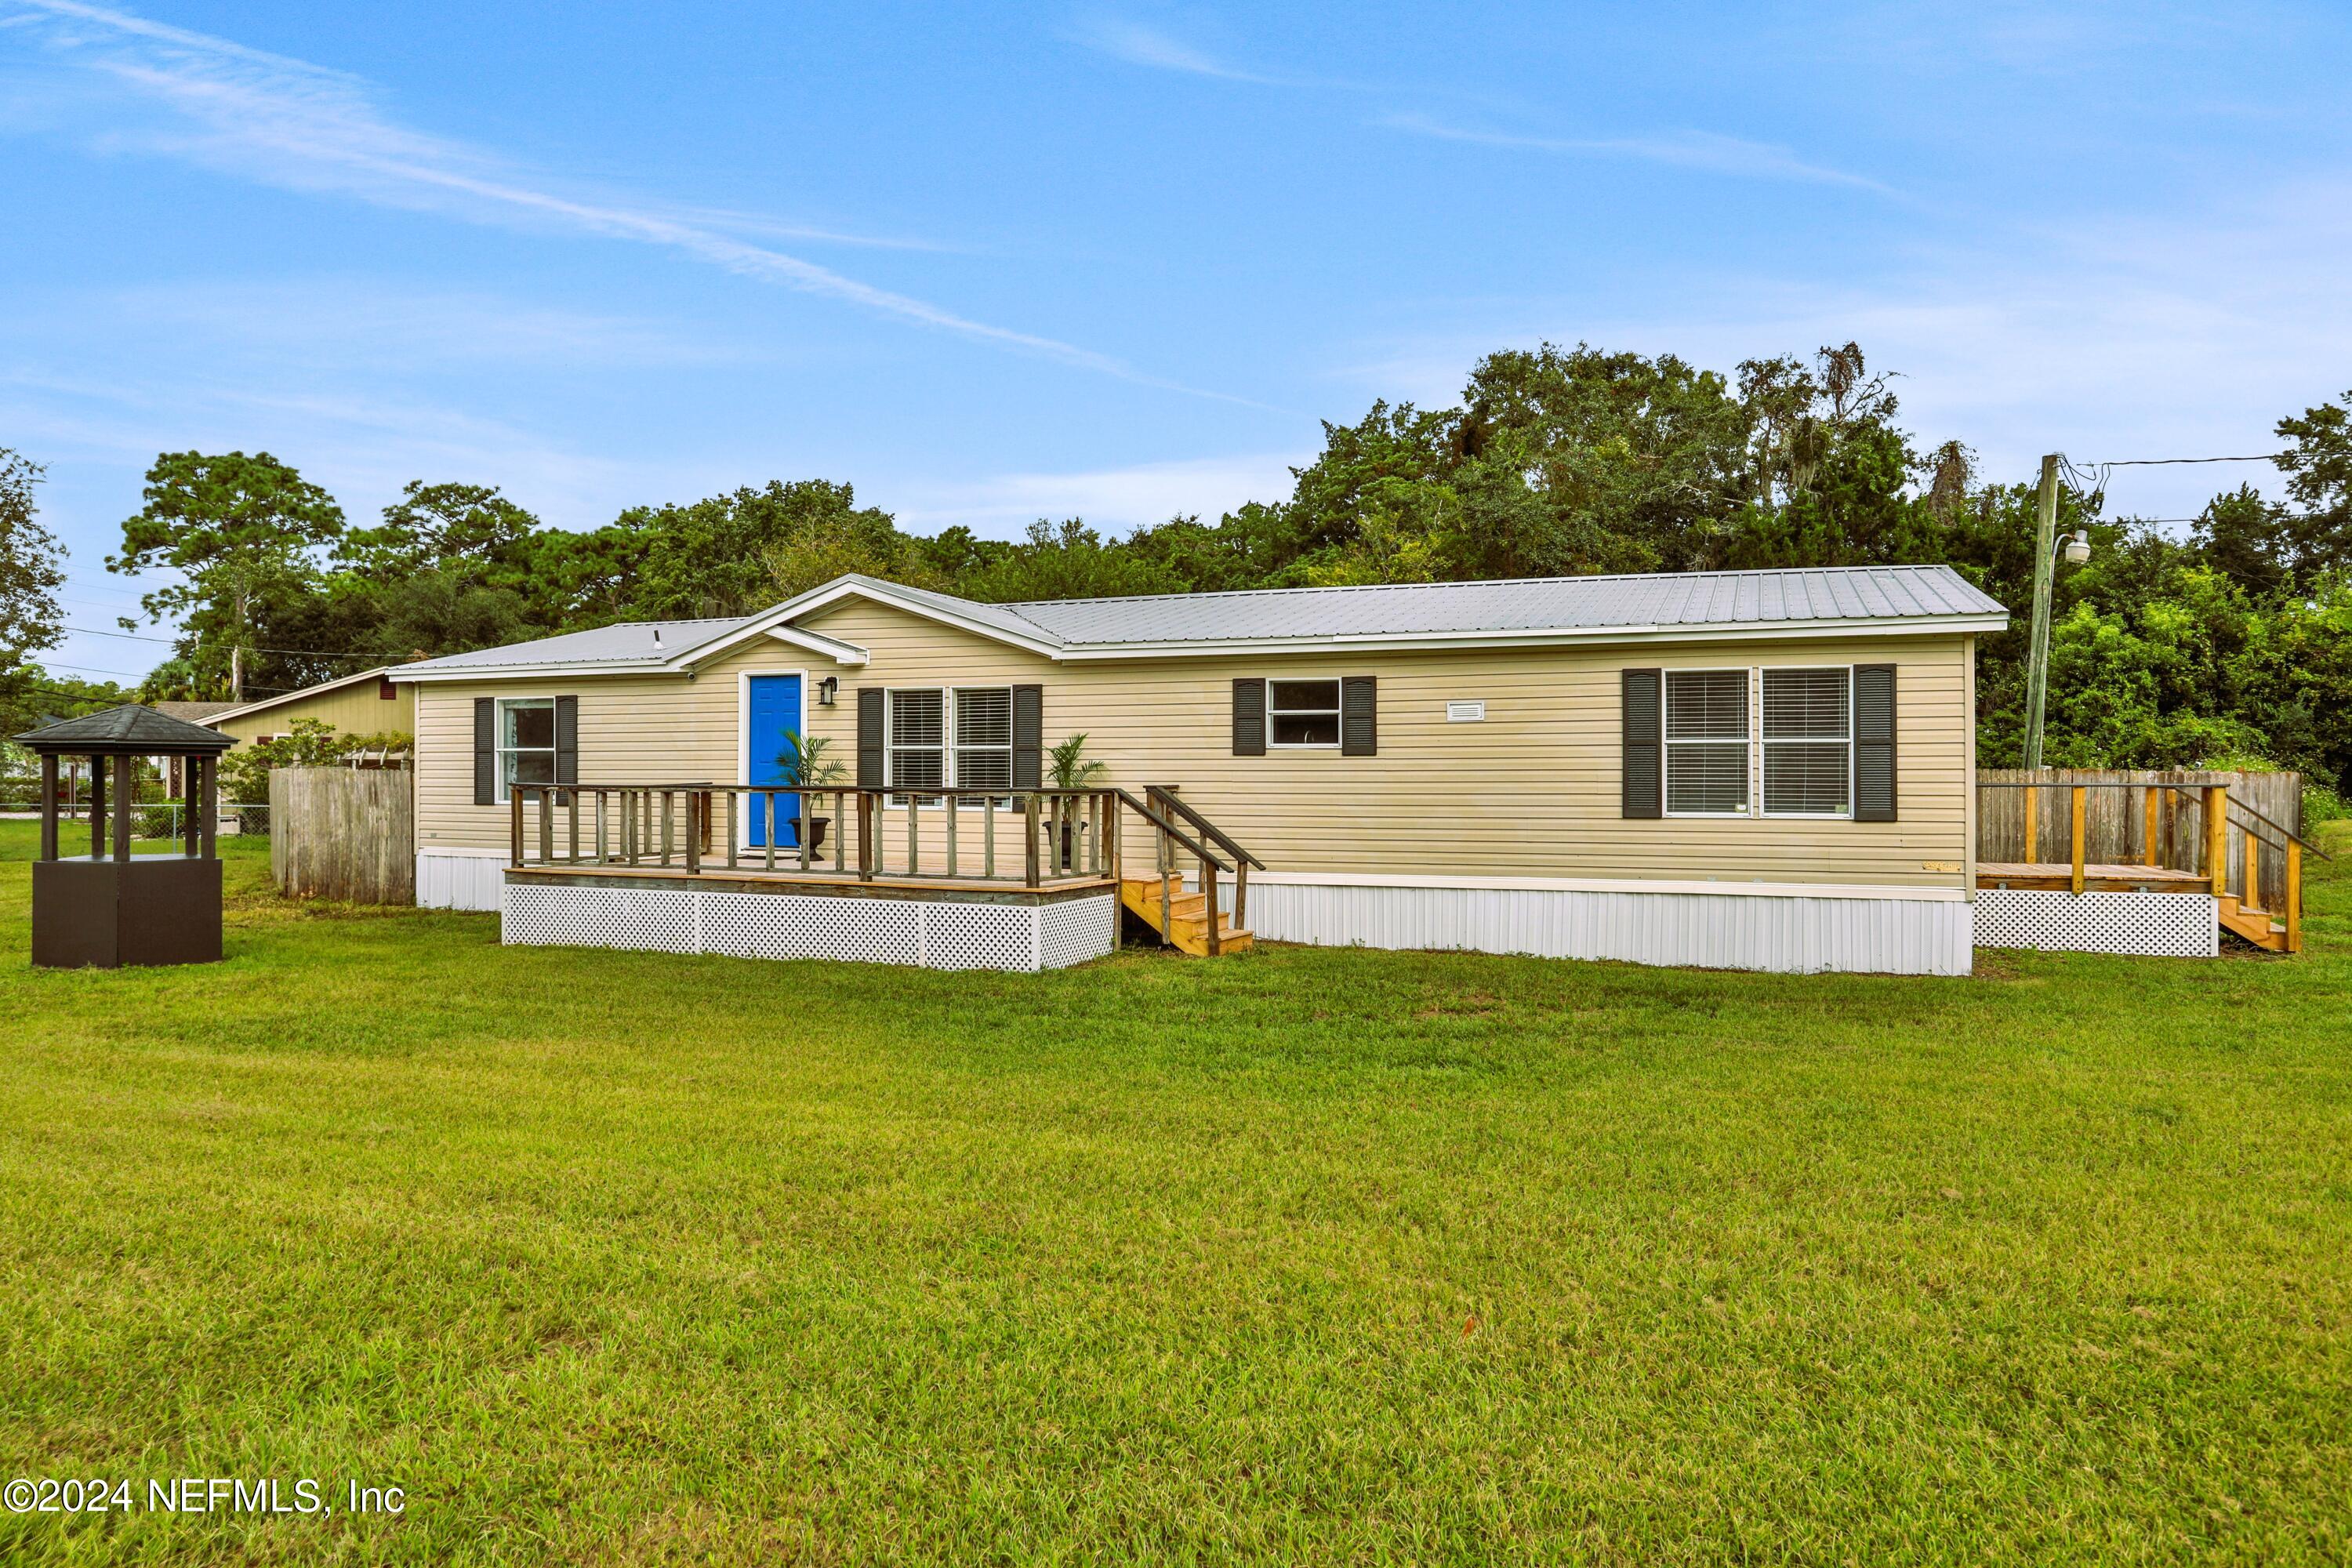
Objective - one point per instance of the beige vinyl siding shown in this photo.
(353, 710)
(1532, 792)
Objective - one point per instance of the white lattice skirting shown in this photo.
(935, 935)
(2160, 925)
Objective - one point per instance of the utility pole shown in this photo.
(237, 685)
(2037, 668)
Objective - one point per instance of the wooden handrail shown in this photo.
(2237, 804)
(1170, 828)
(1166, 794)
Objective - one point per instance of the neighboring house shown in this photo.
(169, 768)
(367, 703)
(1767, 770)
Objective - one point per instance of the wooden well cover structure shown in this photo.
(108, 907)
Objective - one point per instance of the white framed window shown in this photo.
(1302, 715)
(956, 737)
(1707, 743)
(526, 742)
(1808, 742)
(981, 739)
(917, 739)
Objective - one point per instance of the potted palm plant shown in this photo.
(805, 766)
(1071, 768)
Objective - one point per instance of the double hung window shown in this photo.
(1302, 713)
(1707, 743)
(526, 742)
(1809, 742)
(958, 737)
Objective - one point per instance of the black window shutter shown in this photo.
(869, 738)
(567, 739)
(1643, 748)
(1249, 718)
(1028, 737)
(1873, 742)
(486, 750)
(1360, 716)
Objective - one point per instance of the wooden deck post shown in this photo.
(547, 827)
(865, 836)
(1209, 886)
(1029, 826)
(695, 808)
(2150, 828)
(2254, 899)
(514, 824)
(2294, 910)
(2074, 837)
(2032, 838)
(2217, 838)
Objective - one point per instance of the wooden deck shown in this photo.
(748, 879)
(2060, 874)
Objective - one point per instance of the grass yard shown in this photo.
(1300, 1256)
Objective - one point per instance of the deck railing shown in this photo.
(2210, 811)
(1017, 837)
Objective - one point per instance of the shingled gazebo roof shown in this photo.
(130, 728)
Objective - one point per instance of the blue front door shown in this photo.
(773, 721)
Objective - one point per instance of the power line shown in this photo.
(175, 642)
(2157, 462)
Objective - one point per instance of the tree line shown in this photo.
(2230, 644)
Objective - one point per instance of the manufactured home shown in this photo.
(1766, 769)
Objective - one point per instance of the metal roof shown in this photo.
(193, 712)
(1648, 603)
(141, 732)
(630, 642)
(1661, 601)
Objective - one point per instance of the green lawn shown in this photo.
(1298, 1255)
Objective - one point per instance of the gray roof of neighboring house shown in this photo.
(193, 712)
(1661, 600)
(141, 731)
(1655, 601)
(631, 642)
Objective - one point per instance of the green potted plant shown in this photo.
(806, 766)
(1071, 768)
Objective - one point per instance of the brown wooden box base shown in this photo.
(151, 909)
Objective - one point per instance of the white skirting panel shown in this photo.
(934, 934)
(1793, 934)
(2160, 925)
(447, 879)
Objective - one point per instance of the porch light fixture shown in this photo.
(825, 689)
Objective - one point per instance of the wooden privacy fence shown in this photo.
(344, 833)
(2117, 823)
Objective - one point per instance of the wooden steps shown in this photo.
(1186, 921)
(2257, 926)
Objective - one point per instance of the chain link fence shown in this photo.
(156, 819)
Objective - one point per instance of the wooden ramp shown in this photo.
(1185, 921)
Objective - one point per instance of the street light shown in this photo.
(2077, 548)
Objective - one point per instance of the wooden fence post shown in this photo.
(2217, 838)
(2074, 836)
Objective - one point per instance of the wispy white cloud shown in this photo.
(1682, 149)
(1140, 45)
(2186, 334)
(291, 123)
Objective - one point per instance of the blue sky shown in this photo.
(992, 264)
